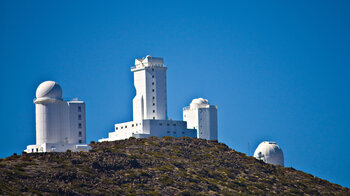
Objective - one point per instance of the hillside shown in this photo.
(155, 166)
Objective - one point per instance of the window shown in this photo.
(154, 117)
(152, 90)
(37, 150)
(132, 125)
(116, 128)
(152, 83)
(121, 127)
(80, 134)
(152, 69)
(174, 124)
(152, 76)
(168, 124)
(154, 97)
(154, 104)
(168, 131)
(79, 117)
(126, 126)
(80, 141)
(154, 111)
(79, 108)
(79, 125)
(183, 132)
(160, 124)
(174, 132)
(136, 124)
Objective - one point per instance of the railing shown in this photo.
(152, 65)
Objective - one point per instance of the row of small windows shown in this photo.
(174, 132)
(167, 124)
(126, 126)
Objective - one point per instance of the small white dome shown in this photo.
(199, 103)
(269, 152)
(49, 89)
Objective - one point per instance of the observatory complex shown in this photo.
(60, 124)
(150, 108)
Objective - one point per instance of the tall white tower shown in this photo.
(269, 152)
(150, 101)
(60, 125)
(202, 116)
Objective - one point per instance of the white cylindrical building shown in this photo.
(270, 153)
(60, 124)
(48, 112)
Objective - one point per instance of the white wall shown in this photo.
(204, 119)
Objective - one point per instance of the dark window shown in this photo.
(121, 127)
(132, 125)
(154, 104)
(168, 131)
(183, 132)
(174, 132)
(79, 125)
(152, 83)
(79, 108)
(154, 117)
(136, 124)
(152, 69)
(174, 124)
(32, 149)
(79, 117)
(153, 97)
(126, 126)
(152, 76)
(80, 141)
(160, 124)
(152, 90)
(37, 150)
(154, 111)
(80, 134)
(116, 128)
(168, 124)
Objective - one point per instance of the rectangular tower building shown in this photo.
(150, 101)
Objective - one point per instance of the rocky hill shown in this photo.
(155, 166)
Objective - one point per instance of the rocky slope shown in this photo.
(155, 166)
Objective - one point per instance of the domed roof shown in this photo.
(49, 89)
(199, 103)
(269, 152)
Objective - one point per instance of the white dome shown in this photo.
(269, 152)
(199, 103)
(49, 89)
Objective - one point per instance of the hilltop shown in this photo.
(155, 166)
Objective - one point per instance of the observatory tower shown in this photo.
(60, 125)
(202, 116)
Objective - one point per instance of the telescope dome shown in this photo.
(269, 152)
(199, 103)
(49, 89)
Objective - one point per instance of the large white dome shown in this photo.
(269, 152)
(199, 103)
(49, 89)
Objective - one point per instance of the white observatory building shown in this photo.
(150, 106)
(60, 125)
(269, 152)
(202, 116)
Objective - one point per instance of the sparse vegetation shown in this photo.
(155, 166)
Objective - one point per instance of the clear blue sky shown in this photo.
(276, 70)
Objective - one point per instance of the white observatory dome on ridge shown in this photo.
(269, 152)
(49, 89)
(199, 103)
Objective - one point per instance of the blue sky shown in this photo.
(276, 70)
